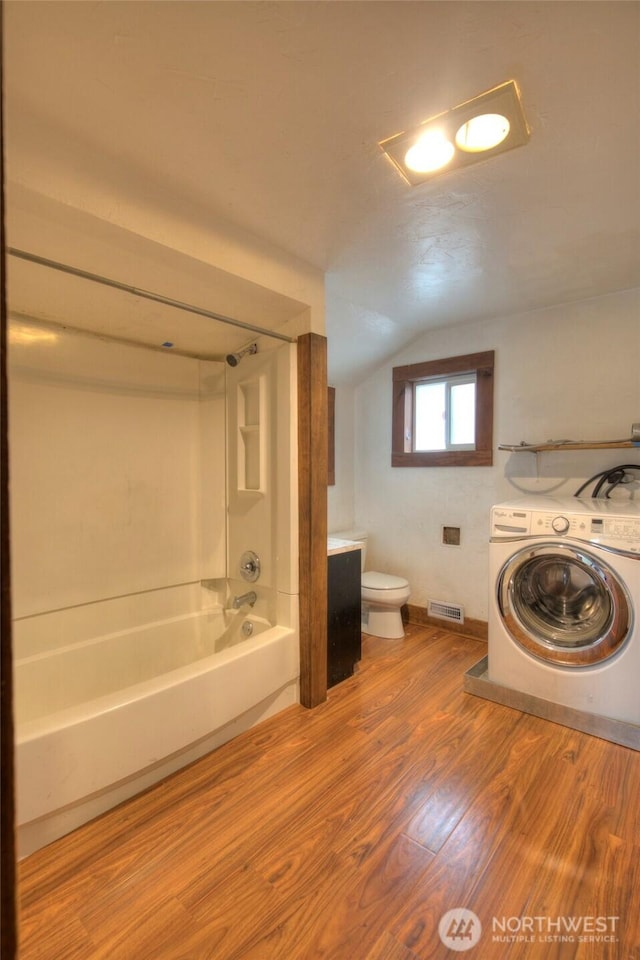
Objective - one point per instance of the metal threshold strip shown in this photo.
(145, 294)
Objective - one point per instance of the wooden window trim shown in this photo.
(404, 377)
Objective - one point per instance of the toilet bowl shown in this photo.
(382, 598)
(383, 595)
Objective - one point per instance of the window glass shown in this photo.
(445, 414)
(462, 416)
(430, 414)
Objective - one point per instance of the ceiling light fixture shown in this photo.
(482, 133)
(430, 152)
(491, 123)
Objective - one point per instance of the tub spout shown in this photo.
(243, 599)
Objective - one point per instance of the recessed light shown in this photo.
(482, 133)
(432, 151)
(491, 123)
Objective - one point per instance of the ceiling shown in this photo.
(267, 116)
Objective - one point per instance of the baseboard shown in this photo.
(476, 629)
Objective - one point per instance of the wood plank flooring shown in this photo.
(346, 832)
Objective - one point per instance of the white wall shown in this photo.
(167, 249)
(340, 498)
(107, 469)
(565, 372)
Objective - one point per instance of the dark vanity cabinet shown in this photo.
(343, 634)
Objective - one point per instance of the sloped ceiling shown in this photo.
(267, 116)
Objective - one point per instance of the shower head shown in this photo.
(233, 359)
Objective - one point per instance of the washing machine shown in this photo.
(565, 602)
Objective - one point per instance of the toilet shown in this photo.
(383, 595)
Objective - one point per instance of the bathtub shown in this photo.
(101, 719)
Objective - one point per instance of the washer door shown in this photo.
(563, 605)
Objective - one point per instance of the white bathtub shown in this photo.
(99, 720)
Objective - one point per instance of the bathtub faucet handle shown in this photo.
(244, 598)
(250, 566)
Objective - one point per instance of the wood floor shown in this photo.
(346, 832)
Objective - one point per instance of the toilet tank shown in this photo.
(356, 534)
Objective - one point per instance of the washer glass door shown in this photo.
(563, 605)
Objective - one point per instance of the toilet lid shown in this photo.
(383, 581)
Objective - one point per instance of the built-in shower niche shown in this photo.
(252, 425)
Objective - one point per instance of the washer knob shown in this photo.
(560, 524)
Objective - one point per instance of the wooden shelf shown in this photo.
(569, 445)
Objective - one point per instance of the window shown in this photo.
(443, 412)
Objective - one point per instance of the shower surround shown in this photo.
(138, 481)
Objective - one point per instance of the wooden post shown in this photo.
(312, 507)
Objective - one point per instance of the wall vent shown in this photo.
(445, 611)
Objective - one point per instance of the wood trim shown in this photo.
(466, 363)
(568, 445)
(8, 916)
(331, 463)
(476, 629)
(400, 418)
(484, 409)
(444, 458)
(312, 509)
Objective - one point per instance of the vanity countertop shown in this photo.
(336, 545)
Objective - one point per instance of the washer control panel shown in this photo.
(616, 531)
(619, 531)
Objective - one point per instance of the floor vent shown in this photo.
(446, 611)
